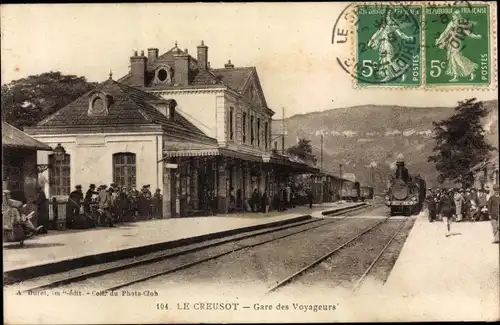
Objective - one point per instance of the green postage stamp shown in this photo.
(388, 46)
(425, 45)
(457, 47)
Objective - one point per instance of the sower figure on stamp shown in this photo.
(450, 40)
(383, 41)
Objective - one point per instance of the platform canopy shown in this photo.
(14, 138)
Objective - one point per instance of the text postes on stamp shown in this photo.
(388, 45)
(457, 45)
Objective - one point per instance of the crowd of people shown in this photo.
(464, 204)
(105, 205)
(286, 197)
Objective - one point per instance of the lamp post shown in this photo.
(59, 155)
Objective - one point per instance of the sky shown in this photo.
(289, 44)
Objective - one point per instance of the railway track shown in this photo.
(232, 245)
(382, 251)
(311, 265)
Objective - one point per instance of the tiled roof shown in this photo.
(129, 106)
(15, 138)
(235, 78)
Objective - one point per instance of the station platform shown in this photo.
(440, 278)
(45, 251)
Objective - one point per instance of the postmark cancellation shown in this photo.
(420, 45)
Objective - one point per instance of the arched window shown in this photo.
(124, 169)
(60, 175)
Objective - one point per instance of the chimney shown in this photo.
(152, 54)
(229, 65)
(202, 56)
(138, 69)
(181, 69)
(186, 51)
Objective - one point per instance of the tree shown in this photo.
(460, 143)
(302, 150)
(27, 101)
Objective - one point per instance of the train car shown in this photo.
(406, 198)
(351, 191)
(366, 192)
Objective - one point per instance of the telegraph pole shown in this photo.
(283, 130)
(341, 182)
(321, 158)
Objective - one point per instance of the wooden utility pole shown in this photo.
(321, 157)
(341, 182)
(283, 130)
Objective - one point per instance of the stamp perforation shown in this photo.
(491, 42)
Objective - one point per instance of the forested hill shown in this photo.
(357, 136)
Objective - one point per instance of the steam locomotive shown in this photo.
(406, 194)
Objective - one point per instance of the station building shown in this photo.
(175, 123)
(19, 163)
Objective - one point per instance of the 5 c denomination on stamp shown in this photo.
(458, 45)
(388, 45)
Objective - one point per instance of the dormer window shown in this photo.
(99, 104)
(165, 107)
(163, 75)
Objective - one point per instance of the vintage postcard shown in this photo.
(250, 162)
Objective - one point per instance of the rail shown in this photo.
(158, 258)
(294, 276)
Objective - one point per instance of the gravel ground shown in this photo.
(344, 268)
(263, 266)
(253, 269)
(121, 277)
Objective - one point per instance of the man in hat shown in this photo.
(145, 202)
(431, 206)
(447, 210)
(74, 202)
(133, 196)
(42, 207)
(88, 199)
(481, 204)
(158, 204)
(493, 207)
(12, 215)
(105, 205)
(459, 203)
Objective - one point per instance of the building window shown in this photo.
(60, 175)
(244, 127)
(99, 103)
(251, 130)
(163, 75)
(258, 132)
(266, 131)
(231, 121)
(124, 169)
